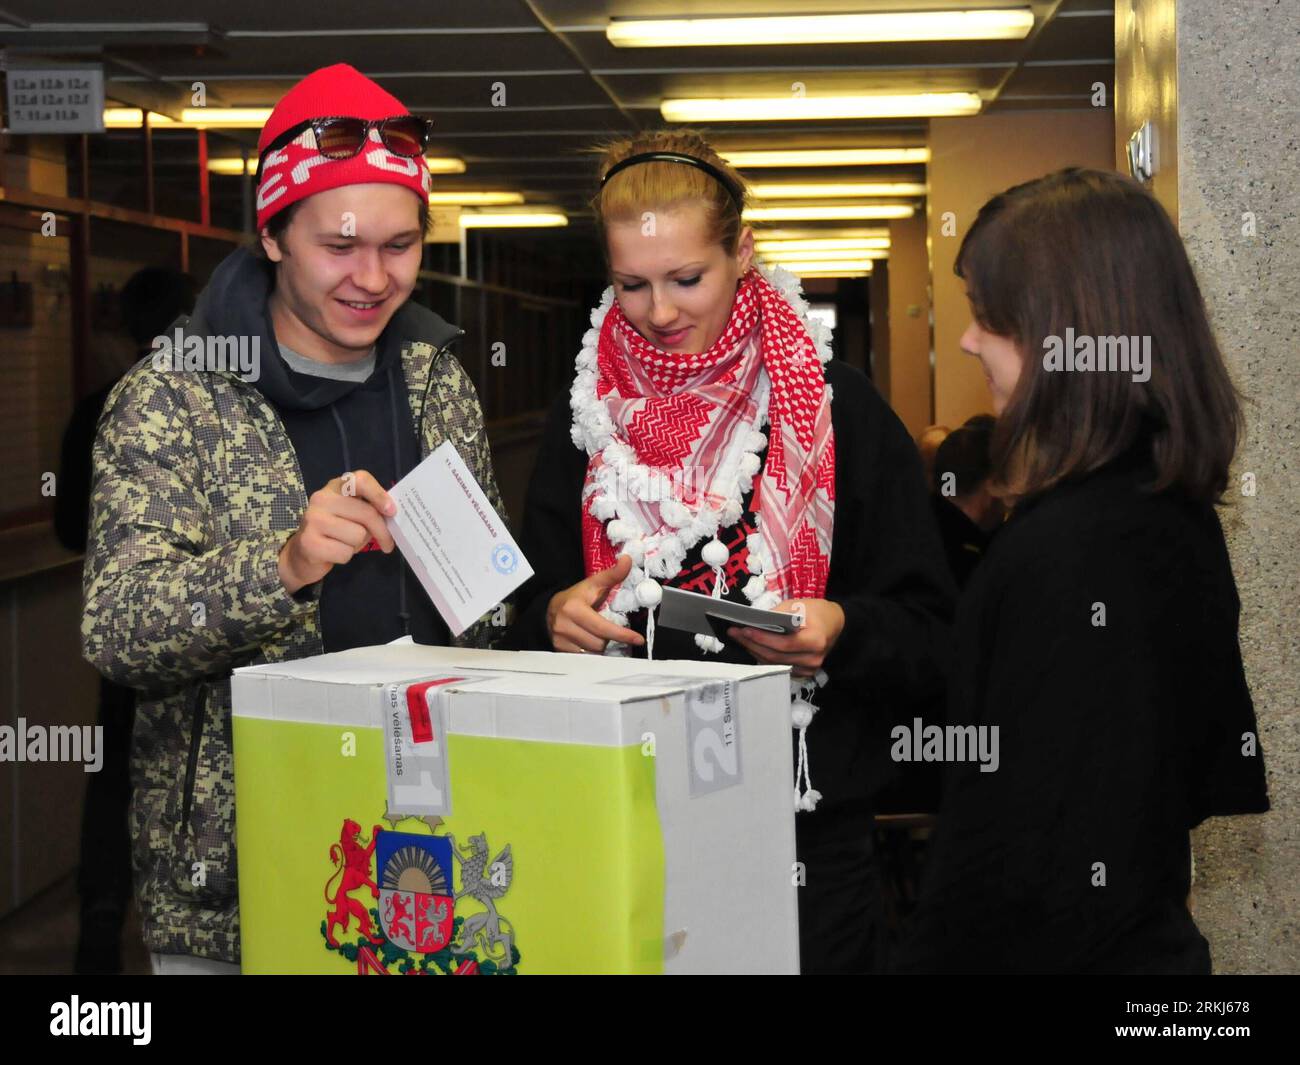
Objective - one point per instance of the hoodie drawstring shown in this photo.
(343, 438)
(402, 612)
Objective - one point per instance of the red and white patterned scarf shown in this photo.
(689, 416)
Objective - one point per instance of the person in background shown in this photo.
(149, 303)
(928, 444)
(1099, 636)
(783, 481)
(966, 509)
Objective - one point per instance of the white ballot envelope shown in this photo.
(453, 540)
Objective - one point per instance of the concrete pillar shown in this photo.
(1229, 174)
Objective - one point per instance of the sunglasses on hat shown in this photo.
(342, 138)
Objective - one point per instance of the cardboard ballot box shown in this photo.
(424, 809)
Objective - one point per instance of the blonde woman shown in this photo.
(710, 443)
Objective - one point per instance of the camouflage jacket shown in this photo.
(196, 489)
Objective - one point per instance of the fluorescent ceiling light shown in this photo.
(232, 165)
(191, 118)
(846, 260)
(474, 197)
(829, 270)
(512, 219)
(125, 117)
(818, 244)
(809, 275)
(829, 233)
(777, 190)
(445, 164)
(829, 212)
(224, 117)
(805, 108)
(989, 25)
(828, 157)
(833, 255)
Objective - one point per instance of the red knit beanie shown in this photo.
(297, 170)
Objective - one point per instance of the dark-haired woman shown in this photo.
(710, 443)
(1099, 635)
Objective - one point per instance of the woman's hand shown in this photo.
(805, 649)
(574, 623)
(339, 521)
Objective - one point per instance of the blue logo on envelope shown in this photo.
(504, 559)
(416, 896)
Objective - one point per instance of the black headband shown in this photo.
(676, 157)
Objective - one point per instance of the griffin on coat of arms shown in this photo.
(486, 882)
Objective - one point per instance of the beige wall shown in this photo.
(909, 323)
(973, 159)
(36, 163)
(1146, 88)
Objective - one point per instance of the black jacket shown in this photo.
(887, 572)
(964, 542)
(1115, 739)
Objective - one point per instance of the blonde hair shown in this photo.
(663, 185)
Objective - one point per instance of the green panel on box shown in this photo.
(582, 891)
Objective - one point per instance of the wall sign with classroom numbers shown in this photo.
(63, 99)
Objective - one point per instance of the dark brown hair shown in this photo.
(1093, 251)
(662, 185)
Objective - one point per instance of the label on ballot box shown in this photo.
(713, 750)
(418, 779)
(712, 738)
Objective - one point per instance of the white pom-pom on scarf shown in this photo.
(802, 711)
(675, 514)
(715, 553)
(649, 595)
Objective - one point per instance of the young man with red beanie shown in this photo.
(237, 514)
